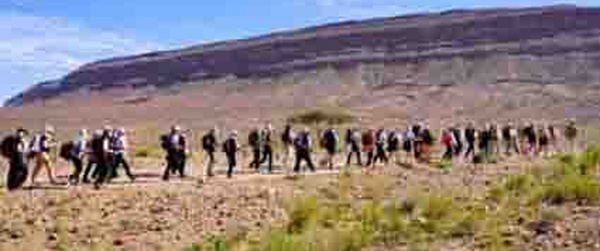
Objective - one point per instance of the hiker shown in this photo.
(543, 141)
(175, 144)
(101, 149)
(447, 141)
(118, 154)
(255, 143)
(417, 131)
(393, 145)
(353, 146)
(571, 136)
(427, 142)
(14, 148)
(470, 137)
(553, 140)
(510, 136)
(530, 139)
(458, 143)
(230, 148)
(40, 147)
(209, 145)
(485, 137)
(408, 144)
(380, 144)
(287, 140)
(303, 144)
(494, 140)
(330, 140)
(76, 155)
(267, 147)
(92, 163)
(368, 145)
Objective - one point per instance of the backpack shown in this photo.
(165, 143)
(207, 142)
(7, 146)
(571, 132)
(253, 138)
(393, 139)
(66, 150)
(329, 138)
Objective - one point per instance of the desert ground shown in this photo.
(256, 212)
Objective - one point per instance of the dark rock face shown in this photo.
(561, 33)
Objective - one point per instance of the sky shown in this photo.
(45, 39)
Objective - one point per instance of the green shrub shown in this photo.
(332, 116)
(148, 151)
(303, 213)
(568, 188)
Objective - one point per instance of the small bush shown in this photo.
(303, 213)
(148, 151)
(320, 116)
(568, 188)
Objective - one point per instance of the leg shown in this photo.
(126, 167)
(169, 167)
(78, 164)
(298, 159)
(270, 151)
(88, 169)
(309, 161)
(209, 166)
(103, 172)
(37, 166)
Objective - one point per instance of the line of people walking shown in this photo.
(106, 150)
(105, 153)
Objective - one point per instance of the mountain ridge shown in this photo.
(562, 30)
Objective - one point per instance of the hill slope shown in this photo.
(557, 45)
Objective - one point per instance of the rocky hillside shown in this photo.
(556, 45)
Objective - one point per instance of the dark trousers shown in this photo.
(380, 155)
(448, 154)
(458, 148)
(17, 172)
(118, 160)
(256, 158)
(470, 148)
(231, 163)
(103, 169)
(303, 154)
(78, 165)
(175, 161)
(268, 153)
(354, 151)
(88, 169)
(211, 163)
(370, 156)
(511, 144)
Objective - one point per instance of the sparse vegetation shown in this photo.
(427, 218)
(148, 151)
(332, 116)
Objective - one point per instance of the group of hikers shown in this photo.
(106, 150)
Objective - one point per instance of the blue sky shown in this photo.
(45, 39)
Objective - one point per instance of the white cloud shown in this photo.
(51, 47)
(358, 9)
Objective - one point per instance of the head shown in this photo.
(21, 132)
(175, 129)
(234, 134)
(269, 127)
(305, 130)
(82, 133)
(48, 130)
(107, 128)
(98, 133)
